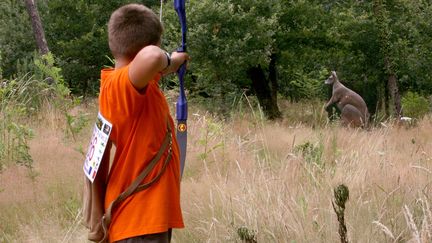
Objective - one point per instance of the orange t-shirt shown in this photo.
(139, 122)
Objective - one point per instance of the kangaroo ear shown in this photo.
(334, 74)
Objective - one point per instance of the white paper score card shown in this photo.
(96, 149)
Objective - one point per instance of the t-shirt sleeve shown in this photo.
(128, 97)
(120, 93)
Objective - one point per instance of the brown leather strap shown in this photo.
(135, 186)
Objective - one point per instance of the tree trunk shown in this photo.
(273, 78)
(386, 99)
(267, 96)
(393, 90)
(37, 26)
(383, 24)
(395, 97)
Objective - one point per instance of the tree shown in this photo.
(77, 35)
(382, 21)
(14, 36)
(266, 88)
(231, 43)
(411, 38)
(306, 47)
(38, 30)
(263, 48)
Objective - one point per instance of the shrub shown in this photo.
(312, 153)
(414, 105)
(15, 104)
(22, 97)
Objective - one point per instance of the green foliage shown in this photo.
(15, 103)
(415, 105)
(75, 124)
(76, 33)
(305, 48)
(210, 131)
(22, 97)
(227, 37)
(78, 41)
(312, 153)
(47, 84)
(1, 70)
(307, 86)
(52, 74)
(16, 41)
(410, 42)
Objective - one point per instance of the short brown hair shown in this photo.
(131, 28)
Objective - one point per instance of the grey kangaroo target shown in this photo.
(354, 112)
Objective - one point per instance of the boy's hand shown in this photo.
(177, 59)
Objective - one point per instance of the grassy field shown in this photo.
(246, 180)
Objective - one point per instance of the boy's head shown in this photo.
(131, 28)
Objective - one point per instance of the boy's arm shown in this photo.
(150, 61)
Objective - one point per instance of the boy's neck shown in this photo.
(121, 62)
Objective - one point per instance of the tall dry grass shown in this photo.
(248, 179)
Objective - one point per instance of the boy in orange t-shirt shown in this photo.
(130, 99)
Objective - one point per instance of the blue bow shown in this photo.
(181, 106)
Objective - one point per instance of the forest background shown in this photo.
(380, 49)
(266, 60)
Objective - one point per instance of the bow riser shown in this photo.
(181, 106)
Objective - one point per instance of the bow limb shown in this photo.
(181, 106)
